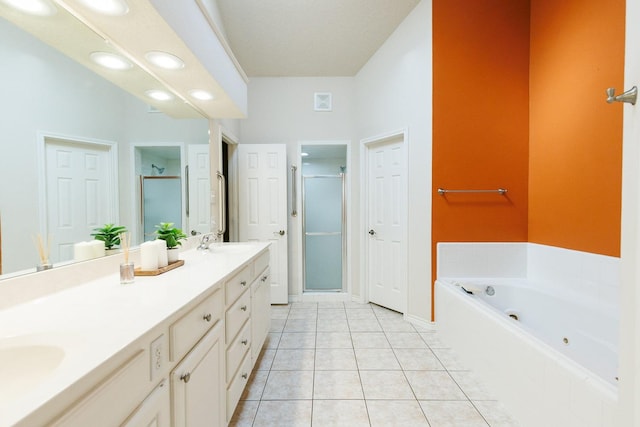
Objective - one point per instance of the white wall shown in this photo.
(393, 91)
(629, 387)
(281, 112)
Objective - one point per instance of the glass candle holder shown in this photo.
(127, 273)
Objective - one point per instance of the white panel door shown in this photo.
(79, 193)
(387, 215)
(199, 194)
(262, 207)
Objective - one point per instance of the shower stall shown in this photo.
(324, 217)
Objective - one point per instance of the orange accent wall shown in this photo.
(519, 102)
(575, 146)
(480, 119)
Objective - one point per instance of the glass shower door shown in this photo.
(323, 222)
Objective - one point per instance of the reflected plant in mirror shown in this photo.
(109, 234)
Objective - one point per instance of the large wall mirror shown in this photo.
(54, 110)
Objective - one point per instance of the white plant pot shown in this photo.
(173, 255)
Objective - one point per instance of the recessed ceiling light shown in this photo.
(164, 60)
(159, 95)
(201, 95)
(33, 7)
(304, 154)
(107, 7)
(111, 60)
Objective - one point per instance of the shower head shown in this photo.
(160, 170)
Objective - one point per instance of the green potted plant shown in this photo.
(109, 234)
(173, 236)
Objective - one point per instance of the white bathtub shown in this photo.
(554, 366)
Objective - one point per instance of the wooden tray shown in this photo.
(171, 266)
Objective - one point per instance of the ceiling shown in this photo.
(300, 38)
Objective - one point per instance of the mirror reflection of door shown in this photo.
(80, 192)
(160, 188)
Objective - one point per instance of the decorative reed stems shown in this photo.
(44, 248)
(125, 244)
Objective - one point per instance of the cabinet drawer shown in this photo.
(236, 315)
(114, 399)
(261, 263)
(238, 349)
(186, 332)
(237, 284)
(234, 391)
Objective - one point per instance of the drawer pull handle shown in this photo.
(264, 278)
(243, 283)
(245, 342)
(243, 308)
(245, 375)
(186, 377)
(207, 317)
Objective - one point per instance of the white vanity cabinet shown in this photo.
(197, 384)
(246, 307)
(114, 398)
(261, 314)
(186, 355)
(154, 410)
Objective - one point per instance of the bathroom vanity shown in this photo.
(174, 349)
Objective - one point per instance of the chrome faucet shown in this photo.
(205, 241)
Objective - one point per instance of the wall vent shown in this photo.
(322, 101)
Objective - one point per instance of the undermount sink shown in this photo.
(23, 367)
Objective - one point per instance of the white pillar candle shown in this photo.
(162, 253)
(97, 248)
(82, 251)
(149, 256)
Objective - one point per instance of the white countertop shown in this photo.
(94, 321)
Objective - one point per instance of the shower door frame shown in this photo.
(343, 230)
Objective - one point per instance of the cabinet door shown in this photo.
(154, 411)
(198, 384)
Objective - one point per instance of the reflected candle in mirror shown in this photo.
(149, 256)
(82, 251)
(162, 253)
(97, 248)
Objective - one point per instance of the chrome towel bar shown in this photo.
(501, 191)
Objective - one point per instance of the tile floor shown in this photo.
(348, 364)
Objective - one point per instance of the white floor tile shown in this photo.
(340, 413)
(389, 385)
(452, 414)
(322, 360)
(289, 413)
(399, 413)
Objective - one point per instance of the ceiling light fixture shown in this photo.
(111, 61)
(304, 154)
(33, 7)
(164, 60)
(201, 95)
(159, 95)
(107, 7)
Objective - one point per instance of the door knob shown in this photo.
(281, 232)
(372, 232)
